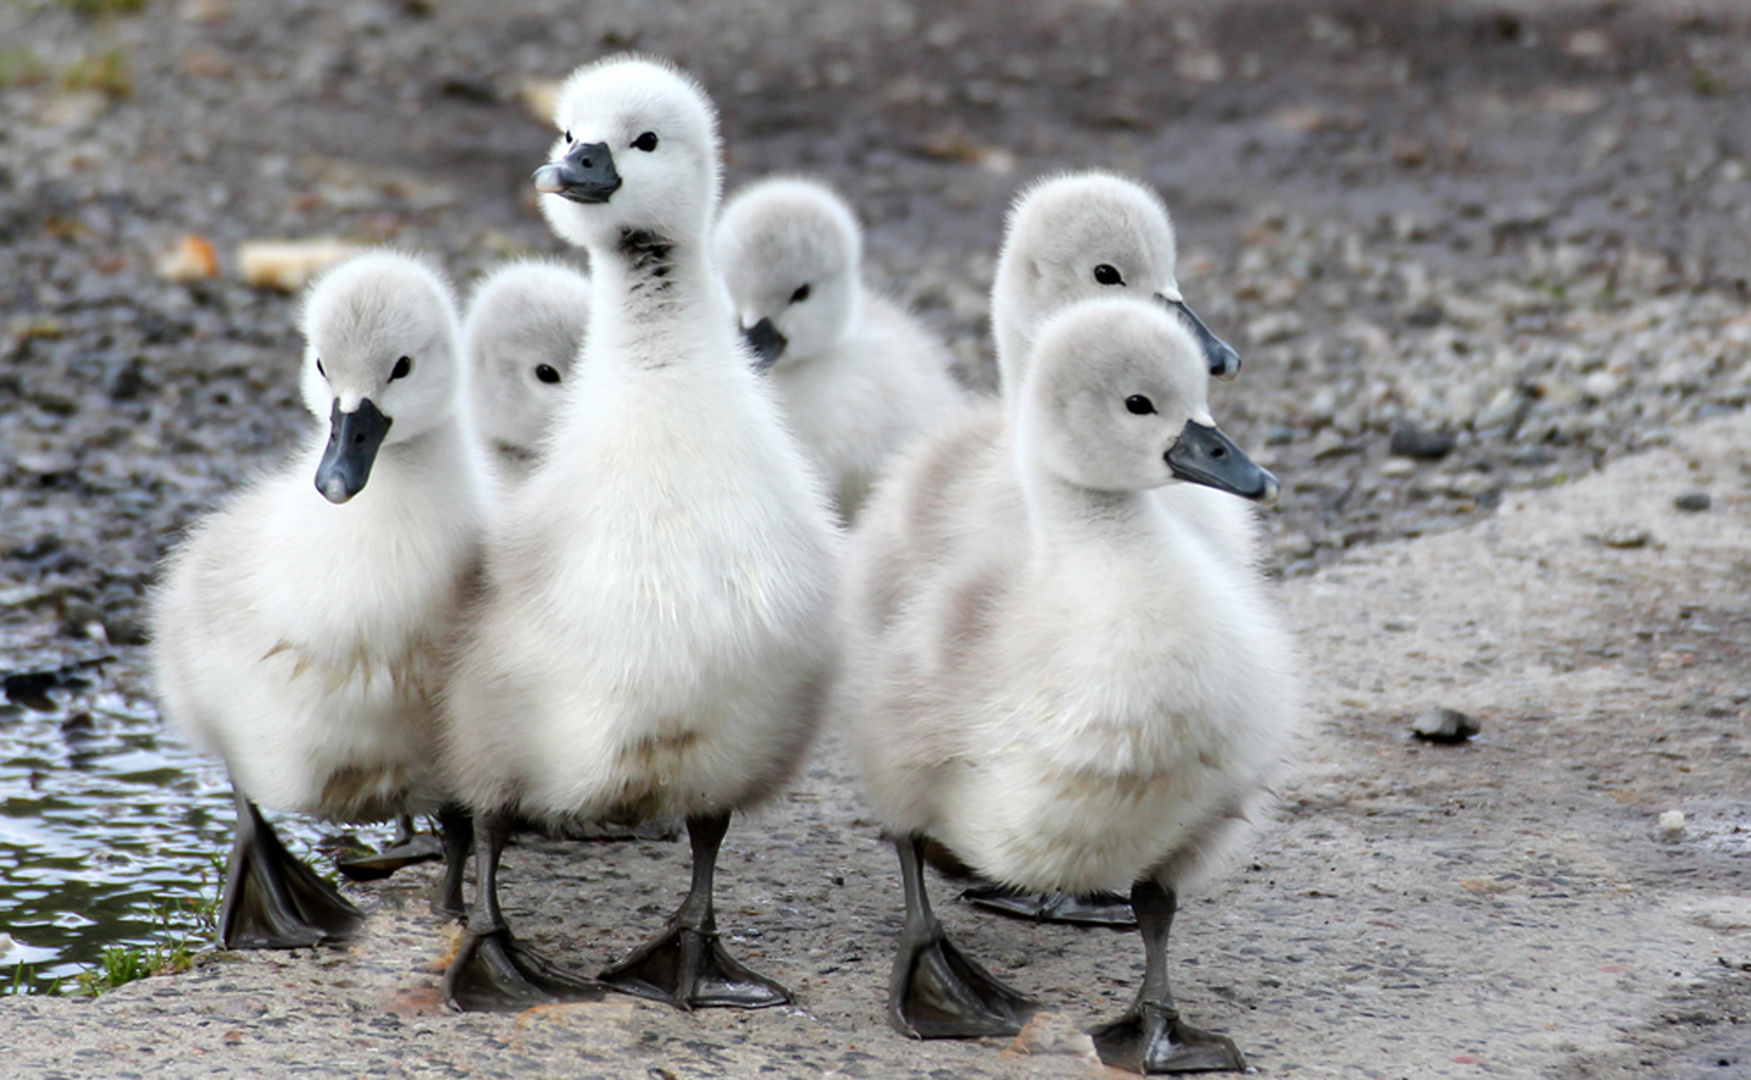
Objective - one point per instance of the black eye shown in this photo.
(646, 142)
(1139, 404)
(319, 370)
(801, 294)
(1108, 274)
(546, 373)
(568, 135)
(402, 367)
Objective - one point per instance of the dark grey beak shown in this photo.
(1223, 361)
(584, 175)
(1203, 455)
(768, 344)
(353, 439)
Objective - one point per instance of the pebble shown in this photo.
(1672, 823)
(1410, 441)
(1627, 536)
(1693, 501)
(1444, 725)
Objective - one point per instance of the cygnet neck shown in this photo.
(647, 282)
(1066, 517)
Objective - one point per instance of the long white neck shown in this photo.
(1069, 520)
(647, 287)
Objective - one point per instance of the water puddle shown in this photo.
(113, 831)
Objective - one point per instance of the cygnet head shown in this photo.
(1080, 236)
(525, 325)
(380, 361)
(790, 252)
(1115, 401)
(637, 153)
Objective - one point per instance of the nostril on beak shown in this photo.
(1217, 451)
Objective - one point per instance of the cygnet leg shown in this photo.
(492, 972)
(687, 966)
(273, 901)
(409, 848)
(456, 826)
(935, 992)
(1095, 909)
(1150, 1038)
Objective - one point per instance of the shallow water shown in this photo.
(112, 829)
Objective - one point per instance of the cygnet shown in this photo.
(526, 322)
(1094, 701)
(299, 630)
(858, 377)
(658, 623)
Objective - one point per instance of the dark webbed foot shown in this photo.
(492, 972)
(1094, 909)
(691, 970)
(273, 901)
(1151, 1039)
(935, 991)
(687, 966)
(409, 849)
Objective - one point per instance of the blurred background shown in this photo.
(1464, 248)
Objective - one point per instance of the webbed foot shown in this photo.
(1151, 1039)
(1094, 909)
(422, 847)
(692, 970)
(273, 901)
(937, 993)
(492, 972)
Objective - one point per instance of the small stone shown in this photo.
(1534, 455)
(1444, 725)
(1397, 468)
(1672, 823)
(1693, 501)
(1627, 536)
(1410, 441)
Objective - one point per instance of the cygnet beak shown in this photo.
(585, 174)
(1203, 455)
(1219, 356)
(768, 344)
(353, 439)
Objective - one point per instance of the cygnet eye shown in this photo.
(319, 370)
(402, 367)
(1139, 405)
(546, 373)
(801, 294)
(1108, 274)
(568, 135)
(646, 142)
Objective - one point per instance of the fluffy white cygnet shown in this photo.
(299, 630)
(526, 322)
(1096, 699)
(859, 377)
(658, 622)
(1070, 237)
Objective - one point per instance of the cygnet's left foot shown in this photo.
(492, 972)
(692, 970)
(1151, 1039)
(1095, 909)
(687, 966)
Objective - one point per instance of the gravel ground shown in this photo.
(1519, 224)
